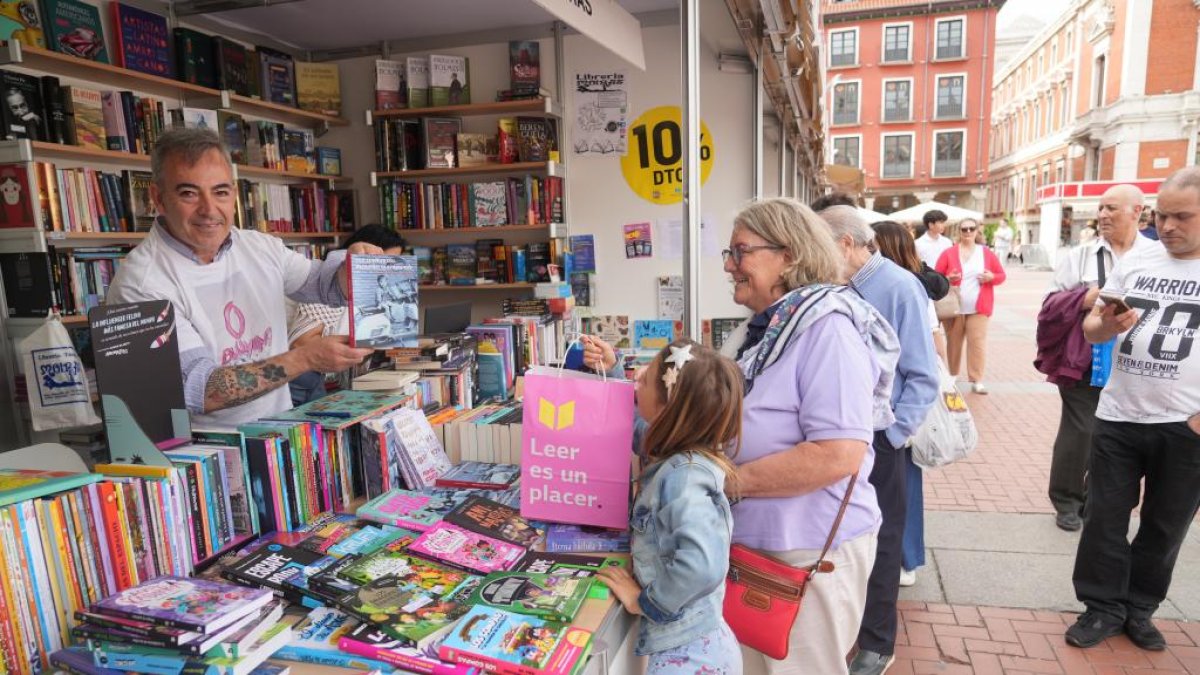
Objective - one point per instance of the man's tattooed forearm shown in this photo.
(234, 385)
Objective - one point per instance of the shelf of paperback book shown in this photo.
(553, 229)
(476, 287)
(89, 239)
(533, 106)
(35, 58)
(247, 171)
(548, 168)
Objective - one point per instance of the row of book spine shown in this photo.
(273, 207)
(81, 277)
(60, 554)
(87, 200)
(528, 200)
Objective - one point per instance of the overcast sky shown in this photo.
(1045, 10)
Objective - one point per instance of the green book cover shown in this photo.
(551, 596)
(416, 75)
(448, 80)
(417, 613)
(18, 485)
(394, 561)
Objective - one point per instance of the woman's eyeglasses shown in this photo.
(739, 252)
(967, 229)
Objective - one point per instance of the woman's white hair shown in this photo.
(845, 221)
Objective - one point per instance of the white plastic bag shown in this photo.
(58, 388)
(948, 433)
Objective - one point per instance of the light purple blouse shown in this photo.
(819, 389)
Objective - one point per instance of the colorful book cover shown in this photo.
(79, 661)
(564, 564)
(491, 203)
(424, 256)
(440, 136)
(460, 264)
(524, 67)
(487, 475)
(612, 328)
(88, 117)
(342, 408)
(17, 210)
(563, 538)
(416, 76)
(315, 640)
(17, 485)
(722, 329)
(400, 508)
(394, 560)
(75, 28)
(318, 87)
(537, 139)
(391, 90)
(465, 549)
(503, 642)
(143, 40)
(278, 72)
(192, 604)
(475, 149)
(422, 458)
(417, 613)
(550, 596)
(448, 80)
(584, 248)
(497, 520)
(20, 20)
(383, 301)
(367, 640)
(140, 208)
(274, 566)
(653, 334)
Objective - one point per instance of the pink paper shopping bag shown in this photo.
(577, 435)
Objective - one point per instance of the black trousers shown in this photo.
(878, 630)
(1112, 575)
(1072, 447)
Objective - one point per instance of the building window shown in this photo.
(895, 43)
(948, 153)
(845, 151)
(1054, 54)
(897, 156)
(845, 103)
(1101, 61)
(950, 103)
(1037, 119)
(897, 96)
(843, 48)
(950, 43)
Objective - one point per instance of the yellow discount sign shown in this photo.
(653, 165)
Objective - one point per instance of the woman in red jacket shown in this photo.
(975, 271)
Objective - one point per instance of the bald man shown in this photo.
(1086, 266)
(1146, 442)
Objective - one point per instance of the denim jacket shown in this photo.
(680, 543)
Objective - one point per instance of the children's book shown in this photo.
(400, 508)
(315, 640)
(502, 642)
(368, 641)
(74, 28)
(612, 328)
(412, 447)
(568, 565)
(550, 596)
(464, 549)
(79, 661)
(653, 334)
(416, 75)
(342, 408)
(486, 475)
(143, 40)
(563, 538)
(318, 87)
(410, 609)
(274, 566)
(191, 604)
(21, 20)
(18, 485)
(448, 80)
(395, 560)
(501, 521)
(524, 67)
(383, 301)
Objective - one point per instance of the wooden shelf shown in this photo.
(495, 229)
(476, 287)
(110, 76)
(550, 168)
(44, 150)
(74, 320)
(308, 235)
(244, 170)
(84, 239)
(533, 106)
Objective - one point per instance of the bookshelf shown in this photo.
(545, 168)
(476, 287)
(535, 106)
(550, 229)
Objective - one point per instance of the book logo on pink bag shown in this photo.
(555, 417)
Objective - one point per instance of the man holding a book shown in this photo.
(228, 287)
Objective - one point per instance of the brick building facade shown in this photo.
(908, 97)
(1093, 98)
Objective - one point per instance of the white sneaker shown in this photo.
(978, 388)
(908, 577)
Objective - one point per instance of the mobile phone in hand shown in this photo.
(1116, 301)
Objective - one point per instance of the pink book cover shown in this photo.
(465, 549)
(400, 508)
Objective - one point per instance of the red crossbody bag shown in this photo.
(763, 593)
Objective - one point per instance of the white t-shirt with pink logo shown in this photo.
(231, 311)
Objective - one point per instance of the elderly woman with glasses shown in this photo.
(818, 364)
(975, 271)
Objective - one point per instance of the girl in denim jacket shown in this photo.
(691, 398)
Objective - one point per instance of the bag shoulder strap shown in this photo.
(823, 565)
(1100, 265)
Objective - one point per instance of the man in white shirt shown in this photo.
(1147, 427)
(1002, 241)
(1088, 265)
(931, 244)
(228, 286)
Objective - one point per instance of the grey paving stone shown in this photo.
(929, 582)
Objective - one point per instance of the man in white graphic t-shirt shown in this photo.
(228, 287)
(1147, 427)
(931, 244)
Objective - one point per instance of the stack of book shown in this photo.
(175, 624)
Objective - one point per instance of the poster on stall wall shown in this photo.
(670, 297)
(638, 241)
(653, 335)
(601, 113)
